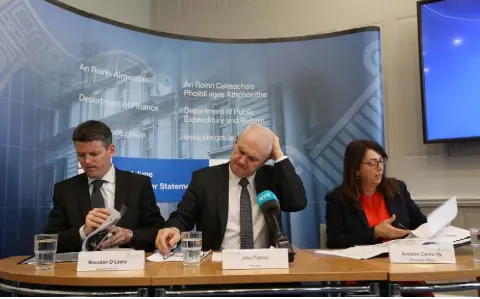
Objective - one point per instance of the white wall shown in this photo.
(133, 12)
(429, 172)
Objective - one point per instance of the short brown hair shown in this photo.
(93, 130)
(351, 185)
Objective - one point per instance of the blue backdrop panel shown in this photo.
(170, 177)
(174, 105)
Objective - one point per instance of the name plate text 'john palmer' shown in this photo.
(255, 259)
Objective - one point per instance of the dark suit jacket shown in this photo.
(347, 225)
(71, 204)
(205, 202)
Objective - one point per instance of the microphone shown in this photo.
(270, 207)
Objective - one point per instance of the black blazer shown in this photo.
(71, 204)
(347, 225)
(205, 202)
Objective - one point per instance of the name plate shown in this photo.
(422, 254)
(111, 260)
(255, 259)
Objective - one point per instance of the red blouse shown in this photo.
(375, 208)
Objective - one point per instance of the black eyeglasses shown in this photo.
(375, 163)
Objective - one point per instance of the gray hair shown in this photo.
(264, 134)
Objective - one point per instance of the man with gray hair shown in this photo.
(221, 201)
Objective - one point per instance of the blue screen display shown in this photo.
(450, 45)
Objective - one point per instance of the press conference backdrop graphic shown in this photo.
(174, 106)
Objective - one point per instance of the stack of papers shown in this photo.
(452, 235)
(438, 229)
(435, 231)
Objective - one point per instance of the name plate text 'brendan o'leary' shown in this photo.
(111, 260)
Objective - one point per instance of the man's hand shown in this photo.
(94, 219)
(166, 239)
(385, 230)
(119, 236)
(276, 150)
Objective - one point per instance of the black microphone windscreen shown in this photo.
(271, 206)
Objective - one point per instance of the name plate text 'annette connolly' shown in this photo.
(111, 260)
(422, 254)
(273, 258)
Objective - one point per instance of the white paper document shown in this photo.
(452, 234)
(438, 229)
(172, 257)
(370, 251)
(437, 220)
(358, 252)
(111, 221)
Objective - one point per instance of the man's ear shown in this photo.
(111, 150)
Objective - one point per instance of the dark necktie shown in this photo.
(246, 227)
(96, 201)
(96, 198)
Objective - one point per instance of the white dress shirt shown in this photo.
(107, 190)
(261, 234)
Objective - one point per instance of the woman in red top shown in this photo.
(368, 207)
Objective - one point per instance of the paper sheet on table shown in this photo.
(437, 220)
(446, 236)
(358, 252)
(172, 257)
(112, 220)
(370, 251)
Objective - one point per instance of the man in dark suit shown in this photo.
(82, 203)
(221, 200)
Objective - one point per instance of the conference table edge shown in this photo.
(267, 276)
(83, 279)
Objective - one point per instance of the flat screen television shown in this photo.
(449, 45)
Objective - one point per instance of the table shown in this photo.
(24, 279)
(170, 279)
(327, 271)
(309, 274)
(464, 268)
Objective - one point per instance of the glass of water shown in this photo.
(475, 239)
(45, 249)
(191, 248)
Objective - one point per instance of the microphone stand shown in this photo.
(281, 241)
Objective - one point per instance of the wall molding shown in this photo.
(436, 201)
